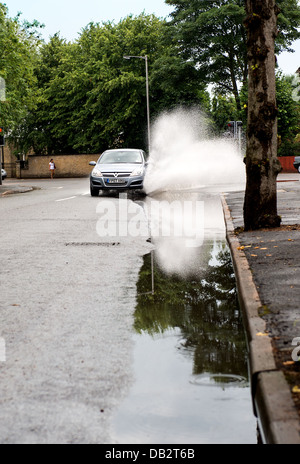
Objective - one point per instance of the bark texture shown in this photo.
(262, 165)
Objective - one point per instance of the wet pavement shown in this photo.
(270, 308)
(190, 358)
(267, 268)
(177, 374)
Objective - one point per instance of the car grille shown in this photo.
(113, 174)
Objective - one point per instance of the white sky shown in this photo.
(69, 16)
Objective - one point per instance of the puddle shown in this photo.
(190, 358)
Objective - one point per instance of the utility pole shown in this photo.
(128, 57)
(2, 140)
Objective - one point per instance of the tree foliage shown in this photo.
(288, 116)
(212, 35)
(89, 98)
(65, 97)
(199, 307)
(223, 109)
(18, 43)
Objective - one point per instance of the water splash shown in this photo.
(184, 154)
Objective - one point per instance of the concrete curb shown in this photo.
(273, 405)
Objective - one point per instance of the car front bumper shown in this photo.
(118, 183)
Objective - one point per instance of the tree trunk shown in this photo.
(262, 165)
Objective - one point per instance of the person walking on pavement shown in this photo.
(52, 168)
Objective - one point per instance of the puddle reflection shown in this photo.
(188, 336)
(204, 308)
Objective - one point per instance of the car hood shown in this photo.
(120, 167)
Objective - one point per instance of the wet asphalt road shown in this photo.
(67, 300)
(69, 268)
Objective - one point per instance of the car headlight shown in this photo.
(137, 172)
(97, 173)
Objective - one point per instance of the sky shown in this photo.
(69, 16)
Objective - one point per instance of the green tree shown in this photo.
(175, 81)
(223, 110)
(288, 114)
(18, 43)
(90, 98)
(45, 124)
(212, 36)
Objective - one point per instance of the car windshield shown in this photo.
(121, 156)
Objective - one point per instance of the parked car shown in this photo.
(297, 163)
(3, 174)
(118, 169)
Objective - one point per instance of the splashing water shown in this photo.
(185, 156)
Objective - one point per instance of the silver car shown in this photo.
(118, 169)
(3, 174)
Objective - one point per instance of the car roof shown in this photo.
(123, 149)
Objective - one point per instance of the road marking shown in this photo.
(65, 199)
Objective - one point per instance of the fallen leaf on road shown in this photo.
(296, 389)
(262, 334)
(288, 363)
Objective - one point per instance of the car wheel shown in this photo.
(94, 192)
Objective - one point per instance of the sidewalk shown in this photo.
(267, 265)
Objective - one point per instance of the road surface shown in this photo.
(67, 300)
(69, 268)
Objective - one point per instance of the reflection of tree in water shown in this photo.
(203, 307)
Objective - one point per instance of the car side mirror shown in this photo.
(92, 163)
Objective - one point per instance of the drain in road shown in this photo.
(190, 358)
